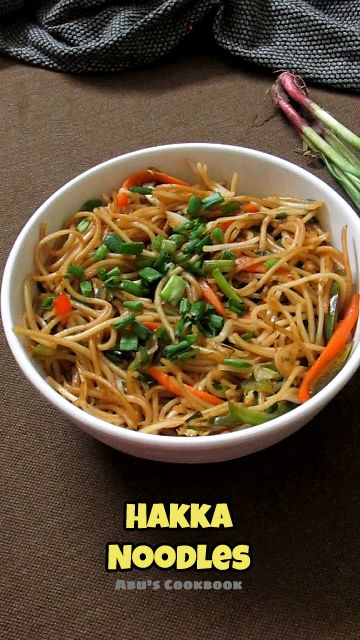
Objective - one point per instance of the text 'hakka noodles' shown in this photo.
(185, 309)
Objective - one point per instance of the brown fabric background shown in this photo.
(296, 504)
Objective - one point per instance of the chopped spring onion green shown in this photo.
(92, 204)
(133, 305)
(102, 273)
(194, 205)
(196, 245)
(150, 275)
(125, 321)
(162, 263)
(228, 255)
(143, 261)
(116, 245)
(114, 355)
(281, 215)
(172, 350)
(133, 286)
(185, 306)
(249, 416)
(173, 290)
(270, 263)
(48, 302)
(225, 286)
(161, 334)
(237, 307)
(215, 321)
(185, 355)
(191, 338)
(237, 363)
(86, 288)
(100, 253)
(224, 265)
(41, 351)
(129, 342)
(164, 245)
(180, 325)
(178, 239)
(83, 225)
(112, 278)
(249, 335)
(146, 191)
(75, 270)
(229, 207)
(198, 309)
(213, 200)
(217, 235)
(142, 358)
(141, 331)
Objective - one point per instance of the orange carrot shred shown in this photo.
(209, 294)
(335, 346)
(169, 384)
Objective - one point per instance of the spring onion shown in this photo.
(229, 207)
(116, 245)
(134, 287)
(249, 335)
(237, 363)
(213, 200)
(101, 253)
(215, 321)
(91, 204)
(223, 265)
(190, 353)
(194, 205)
(281, 216)
(48, 302)
(75, 270)
(150, 275)
(112, 278)
(129, 342)
(225, 286)
(86, 288)
(197, 310)
(83, 225)
(185, 306)
(178, 238)
(41, 351)
(142, 190)
(125, 321)
(325, 135)
(133, 305)
(173, 290)
(141, 331)
(237, 307)
(269, 264)
(172, 350)
(217, 235)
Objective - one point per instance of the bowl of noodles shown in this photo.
(187, 303)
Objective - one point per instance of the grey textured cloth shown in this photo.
(319, 39)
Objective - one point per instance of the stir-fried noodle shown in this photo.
(169, 303)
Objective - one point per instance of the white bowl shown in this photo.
(260, 174)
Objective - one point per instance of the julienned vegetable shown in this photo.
(325, 135)
(169, 384)
(333, 349)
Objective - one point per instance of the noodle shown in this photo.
(151, 336)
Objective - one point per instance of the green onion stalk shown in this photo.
(334, 143)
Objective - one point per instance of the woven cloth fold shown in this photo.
(319, 39)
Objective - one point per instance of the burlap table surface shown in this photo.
(296, 504)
